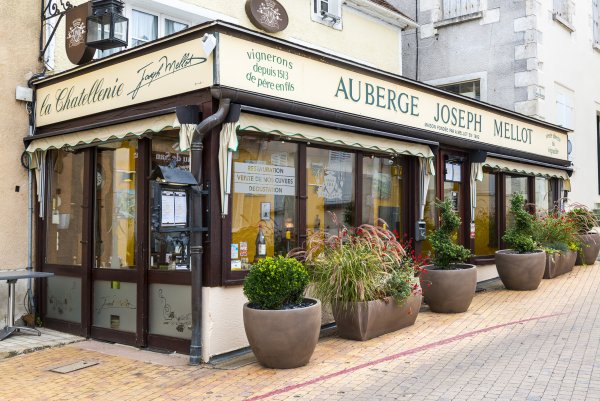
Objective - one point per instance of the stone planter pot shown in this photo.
(559, 263)
(283, 339)
(449, 291)
(590, 244)
(520, 271)
(365, 320)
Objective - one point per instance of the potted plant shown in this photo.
(585, 220)
(448, 283)
(556, 233)
(281, 325)
(367, 278)
(520, 268)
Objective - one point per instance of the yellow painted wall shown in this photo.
(362, 38)
(19, 28)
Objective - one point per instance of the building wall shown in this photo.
(526, 62)
(380, 48)
(18, 61)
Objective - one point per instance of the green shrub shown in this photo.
(520, 236)
(446, 252)
(275, 283)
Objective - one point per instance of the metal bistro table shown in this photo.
(11, 278)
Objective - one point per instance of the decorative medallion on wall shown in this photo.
(75, 38)
(268, 15)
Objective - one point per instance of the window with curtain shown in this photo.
(486, 233)
(173, 26)
(382, 186)
(544, 194)
(144, 27)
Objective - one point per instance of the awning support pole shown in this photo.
(196, 250)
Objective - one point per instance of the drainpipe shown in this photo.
(196, 249)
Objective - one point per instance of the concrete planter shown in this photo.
(559, 263)
(449, 291)
(520, 271)
(591, 246)
(365, 320)
(283, 339)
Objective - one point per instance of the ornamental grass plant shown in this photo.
(359, 264)
(584, 219)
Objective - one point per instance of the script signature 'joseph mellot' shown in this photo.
(154, 71)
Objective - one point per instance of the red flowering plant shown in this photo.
(555, 231)
(360, 264)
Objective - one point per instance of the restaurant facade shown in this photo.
(163, 172)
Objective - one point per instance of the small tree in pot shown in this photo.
(281, 325)
(448, 283)
(585, 220)
(520, 268)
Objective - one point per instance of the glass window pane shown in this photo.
(263, 212)
(115, 209)
(171, 310)
(429, 216)
(514, 185)
(144, 27)
(486, 233)
(544, 196)
(330, 189)
(63, 299)
(64, 209)
(115, 305)
(382, 192)
(173, 26)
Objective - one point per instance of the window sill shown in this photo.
(458, 20)
(563, 22)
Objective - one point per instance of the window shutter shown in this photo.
(596, 5)
(457, 8)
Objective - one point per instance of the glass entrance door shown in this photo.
(114, 272)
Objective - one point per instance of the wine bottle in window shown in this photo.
(261, 244)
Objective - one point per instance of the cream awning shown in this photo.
(274, 126)
(508, 166)
(136, 128)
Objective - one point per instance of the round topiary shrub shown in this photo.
(276, 283)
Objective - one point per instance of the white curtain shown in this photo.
(228, 144)
(144, 27)
(426, 171)
(38, 163)
(476, 175)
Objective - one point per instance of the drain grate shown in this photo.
(72, 367)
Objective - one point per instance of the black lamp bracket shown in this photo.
(54, 8)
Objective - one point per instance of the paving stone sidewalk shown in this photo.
(535, 345)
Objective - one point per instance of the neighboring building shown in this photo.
(539, 58)
(310, 120)
(18, 63)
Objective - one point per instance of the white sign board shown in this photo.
(264, 179)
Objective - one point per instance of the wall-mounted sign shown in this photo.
(177, 69)
(264, 179)
(76, 34)
(274, 72)
(268, 15)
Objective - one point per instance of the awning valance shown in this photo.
(273, 126)
(136, 128)
(509, 166)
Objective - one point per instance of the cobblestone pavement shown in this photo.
(537, 345)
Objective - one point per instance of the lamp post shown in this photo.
(107, 27)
